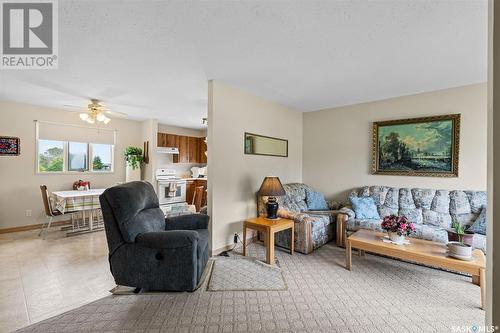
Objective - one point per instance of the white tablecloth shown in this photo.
(74, 201)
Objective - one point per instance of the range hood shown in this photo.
(167, 150)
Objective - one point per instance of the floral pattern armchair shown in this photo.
(431, 210)
(312, 228)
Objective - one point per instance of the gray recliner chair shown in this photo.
(146, 250)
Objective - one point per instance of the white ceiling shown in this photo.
(153, 59)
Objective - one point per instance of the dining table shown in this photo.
(85, 202)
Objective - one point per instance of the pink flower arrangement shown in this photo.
(398, 224)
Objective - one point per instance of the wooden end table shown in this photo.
(418, 251)
(269, 228)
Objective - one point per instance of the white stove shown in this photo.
(165, 174)
(171, 189)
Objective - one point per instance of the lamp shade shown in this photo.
(271, 187)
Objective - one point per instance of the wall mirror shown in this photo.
(256, 144)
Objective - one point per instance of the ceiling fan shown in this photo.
(97, 112)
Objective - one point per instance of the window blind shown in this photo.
(74, 133)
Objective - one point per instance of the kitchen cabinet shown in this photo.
(168, 140)
(202, 148)
(172, 140)
(183, 156)
(191, 149)
(162, 140)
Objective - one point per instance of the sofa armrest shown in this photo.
(347, 211)
(167, 239)
(345, 214)
(187, 222)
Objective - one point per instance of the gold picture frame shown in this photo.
(425, 147)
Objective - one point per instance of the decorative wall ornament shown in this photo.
(427, 146)
(10, 146)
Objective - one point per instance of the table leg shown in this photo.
(476, 280)
(91, 220)
(244, 240)
(270, 247)
(292, 241)
(482, 285)
(361, 253)
(348, 255)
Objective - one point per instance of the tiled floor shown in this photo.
(42, 278)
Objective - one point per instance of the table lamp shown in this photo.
(271, 187)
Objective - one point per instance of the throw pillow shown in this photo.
(365, 208)
(479, 225)
(315, 200)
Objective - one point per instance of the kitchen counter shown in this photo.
(195, 179)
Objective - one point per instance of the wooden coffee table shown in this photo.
(418, 251)
(269, 228)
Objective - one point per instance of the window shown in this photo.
(60, 156)
(50, 156)
(78, 156)
(102, 155)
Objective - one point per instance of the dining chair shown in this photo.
(198, 197)
(49, 211)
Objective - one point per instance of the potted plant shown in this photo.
(453, 236)
(397, 227)
(134, 158)
(459, 249)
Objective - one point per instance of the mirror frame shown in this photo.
(263, 136)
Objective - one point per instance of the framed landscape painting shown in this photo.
(425, 146)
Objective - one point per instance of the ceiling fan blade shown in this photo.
(75, 107)
(116, 114)
(101, 108)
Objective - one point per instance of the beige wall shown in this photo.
(233, 177)
(19, 190)
(337, 142)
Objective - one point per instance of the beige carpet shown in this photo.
(379, 295)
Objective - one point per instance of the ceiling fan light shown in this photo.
(91, 120)
(106, 120)
(84, 116)
(101, 117)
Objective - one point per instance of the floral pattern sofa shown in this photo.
(312, 228)
(431, 210)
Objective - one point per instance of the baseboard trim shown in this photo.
(230, 246)
(32, 227)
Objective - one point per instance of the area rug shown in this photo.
(241, 274)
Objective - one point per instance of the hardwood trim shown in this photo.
(218, 251)
(32, 227)
(341, 226)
